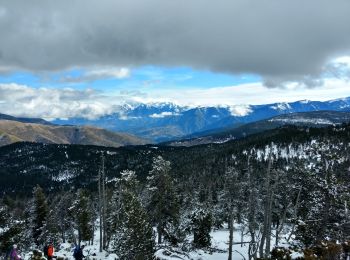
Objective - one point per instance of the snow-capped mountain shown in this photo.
(314, 119)
(166, 121)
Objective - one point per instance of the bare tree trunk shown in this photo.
(267, 212)
(252, 246)
(230, 224)
(242, 235)
(100, 209)
(268, 235)
(92, 232)
(159, 231)
(104, 226)
(252, 251)
(279, 228)
(63, 235)
(295, 214)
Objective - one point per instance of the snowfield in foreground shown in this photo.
(219, 249)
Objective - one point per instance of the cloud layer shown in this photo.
(21, 100)
(279, 40)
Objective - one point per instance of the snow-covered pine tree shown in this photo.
(163, 205)
(133, 236)
(127, 181)
(39, 215)
(135, 240)
(201, 223)
(83, 216)
(62, 215)
(9, 229)
(316, 224)
(50, 230)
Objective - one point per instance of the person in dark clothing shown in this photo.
(14, 255)
(78, 253)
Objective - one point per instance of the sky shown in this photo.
(73, 58)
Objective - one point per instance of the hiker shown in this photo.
(37, 255)
(49, 251)
(14, 255)
(78, 252)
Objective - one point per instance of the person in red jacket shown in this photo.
(50, 251)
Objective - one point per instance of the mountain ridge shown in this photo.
(14, 131)
(304, 119)
(147, 120)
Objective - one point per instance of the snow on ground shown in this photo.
(219, 239)
(219, 249)
(219, 243)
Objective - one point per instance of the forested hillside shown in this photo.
(278, 186)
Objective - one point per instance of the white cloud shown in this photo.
(164, 114)
(118, 73)
(21, 100)
(250, 94)
(343, 59)
(99, 74)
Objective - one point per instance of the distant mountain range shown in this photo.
(161, 122)
(12, 131)
(25, 120)
(173, 124)
(221, 135)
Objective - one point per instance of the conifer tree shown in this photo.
(83, 216)
(40, 213)
(201, 221)
(133, 237)
(9, 229)
(62, 215)
(163, 205)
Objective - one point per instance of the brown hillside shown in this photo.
(12, 131)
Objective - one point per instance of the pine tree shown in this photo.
(9, 229)
(83, 216)
(133, 235)
(62, 215)
(163, 205)
(201, 222)
(40, 212)
(127, 181)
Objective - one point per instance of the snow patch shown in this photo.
(281, 106)
(317, 121)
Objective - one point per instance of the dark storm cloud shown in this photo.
(278, 39)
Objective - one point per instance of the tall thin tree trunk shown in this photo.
(268, 235)
(280, 226)
(230, 224)
(267, 216)
(242, 235)
(295, 214)
(252, 251)
(159, 231)
(104, 226)
(100, 209)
